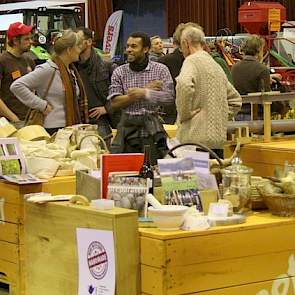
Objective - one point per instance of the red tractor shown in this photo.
(266, 19)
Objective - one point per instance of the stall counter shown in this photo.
(252, 258)
(265, 157)
(12, 264)
(52, 252)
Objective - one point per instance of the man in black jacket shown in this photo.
(174, 63)
(96, 75)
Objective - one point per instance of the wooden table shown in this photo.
(12, 264)
(233, 260)
(265, 157)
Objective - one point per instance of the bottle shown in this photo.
(146, 170)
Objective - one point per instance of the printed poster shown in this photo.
(96, 256)
(179, 182)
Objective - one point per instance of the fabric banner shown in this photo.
(111, 32)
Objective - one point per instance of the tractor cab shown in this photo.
(46, 18)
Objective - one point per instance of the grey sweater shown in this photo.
(38, 80)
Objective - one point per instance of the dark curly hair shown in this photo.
(145, 38)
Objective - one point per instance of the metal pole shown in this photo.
(86, 13)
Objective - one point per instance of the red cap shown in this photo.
(18, 29)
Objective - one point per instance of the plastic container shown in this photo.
(102, 204)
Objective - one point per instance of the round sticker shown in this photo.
(42, 39)
(97, 260)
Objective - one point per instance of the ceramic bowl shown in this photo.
(168, 217)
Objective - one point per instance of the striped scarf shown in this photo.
(76, 107)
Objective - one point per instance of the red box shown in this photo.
(253, 16)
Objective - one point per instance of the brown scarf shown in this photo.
(76, 108)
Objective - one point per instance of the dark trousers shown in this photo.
(51, 131)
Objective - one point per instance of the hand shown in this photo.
(136, 94)
(47, 110)
(275, 77)
(155, 85)
(97, 112)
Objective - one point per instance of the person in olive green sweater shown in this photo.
(220, 60)
(217, 57)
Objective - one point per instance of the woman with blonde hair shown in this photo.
(55, 87)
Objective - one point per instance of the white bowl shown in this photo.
(168, 217)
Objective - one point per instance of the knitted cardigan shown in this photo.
(205, 100)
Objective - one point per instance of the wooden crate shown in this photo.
(233, 260)
(12, 263)
(265, 157)
(51, 250)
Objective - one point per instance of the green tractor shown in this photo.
(47, 18)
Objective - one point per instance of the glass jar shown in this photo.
(236, 182)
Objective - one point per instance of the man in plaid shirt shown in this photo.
(139, 88)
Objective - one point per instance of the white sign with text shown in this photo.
(96, 256)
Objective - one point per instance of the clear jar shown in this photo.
(236, 182)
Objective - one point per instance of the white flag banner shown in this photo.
(97, 269)
(111, 32)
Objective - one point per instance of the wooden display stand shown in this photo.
(51, 246)
(12, 243)
(265, 157)
(233, 260)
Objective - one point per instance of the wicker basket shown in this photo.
(280, 204)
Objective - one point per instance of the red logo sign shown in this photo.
(109, 38)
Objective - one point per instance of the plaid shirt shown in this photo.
(124, 78)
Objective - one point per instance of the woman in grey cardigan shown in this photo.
(65, 102)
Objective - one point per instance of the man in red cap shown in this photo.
(12, 66)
